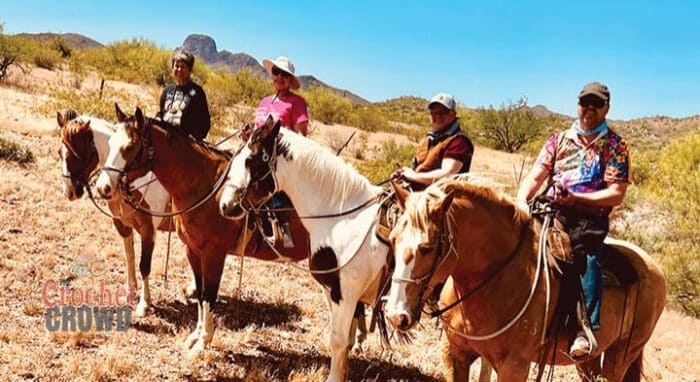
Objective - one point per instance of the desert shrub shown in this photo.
(392, 157)
(674, 179)
(136, 61)
(327, 107)
(410, 110)
(368, 118)
(14, 51)
(509, 127)
(46, 57)
(12, 150)
(89, 103)
(358, 147)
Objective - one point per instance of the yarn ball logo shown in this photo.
(92, 305)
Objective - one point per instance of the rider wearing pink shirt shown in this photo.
(289, 107)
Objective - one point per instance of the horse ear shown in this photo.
(121, 117)
(59, 118)
(446, 202)
(401, 194)
(139, 116)
(271, 127)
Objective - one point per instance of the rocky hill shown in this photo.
(78, 40)
(204, 47)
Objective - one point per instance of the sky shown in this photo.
(484, 53)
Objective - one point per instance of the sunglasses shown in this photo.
(279, 72)
(593, 101)
(439, 112)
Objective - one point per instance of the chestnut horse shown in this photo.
(189, 170)
(337, 206)
(83, 149)
(489, 248)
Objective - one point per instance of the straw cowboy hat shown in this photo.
(285, 65)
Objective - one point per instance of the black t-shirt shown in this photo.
(186, 106)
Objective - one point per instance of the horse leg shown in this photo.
(456, 362)
(127, 235)
(358, 330)
(341, 322)
(513, 370)
(486, 370)
(589, 370)
(147, 245)
(619, 367)
(211, 277)
(197, 274)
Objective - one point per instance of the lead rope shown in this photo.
(240, 272)
(167, 251)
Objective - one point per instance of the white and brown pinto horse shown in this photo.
(84, 149)
(191, 172)
(337, 206)
(489, 248)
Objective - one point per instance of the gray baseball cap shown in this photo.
(597, 89)
(445, 100)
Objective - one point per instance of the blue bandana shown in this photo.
(576, 127)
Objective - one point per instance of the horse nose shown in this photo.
(223, 207)
(401, 321)
(105, 191)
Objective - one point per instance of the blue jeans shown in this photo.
(592, 282)
(587, 234)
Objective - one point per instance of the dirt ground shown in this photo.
(274, 328)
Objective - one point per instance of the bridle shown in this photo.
(146, 146)
(92, 153)
(445, 239)
(271, 161)
(446, 236)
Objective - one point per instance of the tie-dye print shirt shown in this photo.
(586, 168)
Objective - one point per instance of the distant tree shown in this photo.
(13, 51)
(511, 126)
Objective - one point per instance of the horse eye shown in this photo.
(424, 250)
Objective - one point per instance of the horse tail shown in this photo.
(635, 371)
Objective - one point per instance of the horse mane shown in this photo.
(227, 154)
(477, 188)
(78, 126)
(330, 172)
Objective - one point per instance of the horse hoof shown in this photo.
(191, 339)
(189, 291)
(197, 349)
(141, 310)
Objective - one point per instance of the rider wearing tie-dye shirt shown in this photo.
(588, 165)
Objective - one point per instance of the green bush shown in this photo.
(46, 57)
(137, 61)
(14, 51)
(86, 103)
(674, 179)
(327, 107)
(13, 151)
(393, 156)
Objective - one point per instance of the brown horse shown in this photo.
(489, 248)
(83, 149)
(189, 171)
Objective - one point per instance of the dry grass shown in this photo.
(275, 328)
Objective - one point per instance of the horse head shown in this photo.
(252, 178)
(78, 154)
(421, 245)
(130, 153)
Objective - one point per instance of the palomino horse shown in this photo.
(83, 149)
(337, 206)
(489, 248)
(189, 171)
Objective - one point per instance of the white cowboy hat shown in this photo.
(285, 65)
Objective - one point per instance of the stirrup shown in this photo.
(586, 331)
(580, 347)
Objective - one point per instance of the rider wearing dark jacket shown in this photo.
(184, 104)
